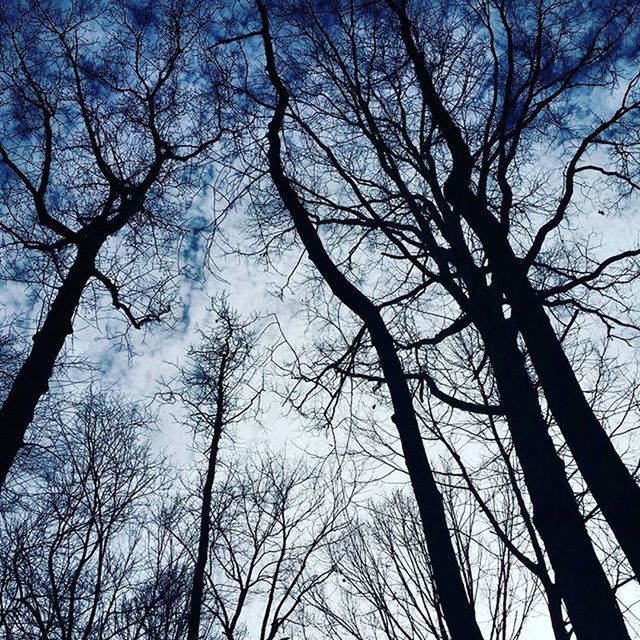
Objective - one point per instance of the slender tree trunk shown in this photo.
(457, 609)
(32, 380)
(197, 583)
(556, 614)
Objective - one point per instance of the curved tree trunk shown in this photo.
(457, 609)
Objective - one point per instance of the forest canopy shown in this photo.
(319, 319)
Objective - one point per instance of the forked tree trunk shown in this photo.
(582, 582)
(609, 480)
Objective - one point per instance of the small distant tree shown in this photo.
(383, 587)
(273, 522)
(156, 607)
(71, 547)
(219, 384)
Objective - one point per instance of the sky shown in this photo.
(252, 289)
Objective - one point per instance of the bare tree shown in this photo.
(384, 585)
(273, 522)
(478, 186)
(389, 192)
(156, 607)
(458, 610)
(71, 546)
(219, 385)
(110, 111)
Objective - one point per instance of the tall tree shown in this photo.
(557, 66)
(218, 385)
(456, 605)
(109, 111)
(368, 111)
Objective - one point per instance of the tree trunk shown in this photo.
(610, 482)
(590, 601)
(608, 478)
(197, 583)
(583, 584)
(457, 609)
(32, 380)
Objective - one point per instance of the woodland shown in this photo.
(319, 319)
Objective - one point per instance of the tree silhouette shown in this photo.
(109, 113)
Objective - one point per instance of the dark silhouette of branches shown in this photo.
(217, 386)
(109, 113)
(72, 545)
(394, 170)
